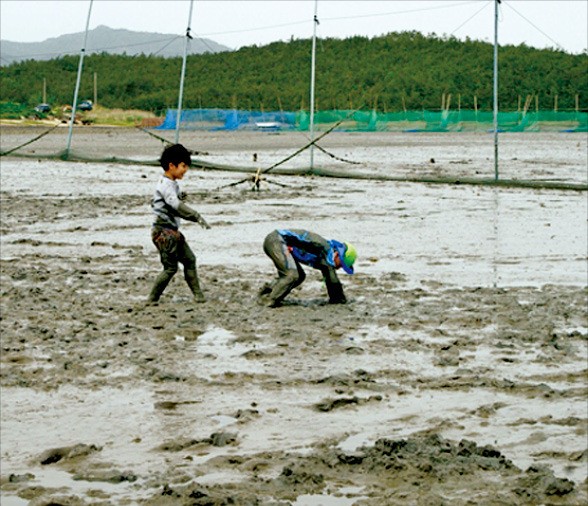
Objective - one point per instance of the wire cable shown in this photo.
(99, 49)
(268, 27)
(408, 11)
(535, 26)
(471, 17)
(169, 43)
(205, 43)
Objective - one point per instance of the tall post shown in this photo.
(44, 90)
(186, 42)
(496, 2)
(95, 88)
(312, 65)
(75, 98)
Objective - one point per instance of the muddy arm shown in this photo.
(334, 286)
(190, 214)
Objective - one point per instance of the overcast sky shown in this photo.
(561, 24)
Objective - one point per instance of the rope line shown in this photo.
(29, 142)
(192, 152)
(462, 180)
(297, 152)
(154, 135)
(335, 156)
(326, 132)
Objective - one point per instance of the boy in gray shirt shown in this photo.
(168, 208)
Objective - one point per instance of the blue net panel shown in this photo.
(229, 119)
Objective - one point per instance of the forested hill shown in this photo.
(390, 73)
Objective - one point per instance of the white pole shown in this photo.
(186, 42)
(496, 2)
(75, 99)
(315, 23)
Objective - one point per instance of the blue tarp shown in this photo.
(228, 119)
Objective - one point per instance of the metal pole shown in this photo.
(315, 23)
(186, 42)
(496, 2)
(75, 99)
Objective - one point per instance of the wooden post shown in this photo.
(475, 103)
(527, 104)
(404, 103)
(577, 102)
(459, 102)
(519, 104)
(537, 102)
(448, 102)
(44, 90)
(95, 88)
(555, 103)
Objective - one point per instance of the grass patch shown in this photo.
(115, 117)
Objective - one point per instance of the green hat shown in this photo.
(349, 257)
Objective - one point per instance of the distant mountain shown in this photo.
(108, 40)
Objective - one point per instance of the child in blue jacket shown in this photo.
(290, 249)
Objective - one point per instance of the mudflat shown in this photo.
(456, 373)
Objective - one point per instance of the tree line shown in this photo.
(394, 72)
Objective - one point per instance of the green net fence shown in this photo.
(373, 121)
(445, 121)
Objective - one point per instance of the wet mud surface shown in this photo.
(456, 374)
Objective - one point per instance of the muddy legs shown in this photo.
(160, 284)
(191, 277)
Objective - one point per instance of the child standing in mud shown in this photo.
(168, 209)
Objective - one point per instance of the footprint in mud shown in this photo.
(331, 404)
(217, 439)
(55, 455)
(171, 405)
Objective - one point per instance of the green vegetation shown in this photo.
(395, 72)
(10, 110)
